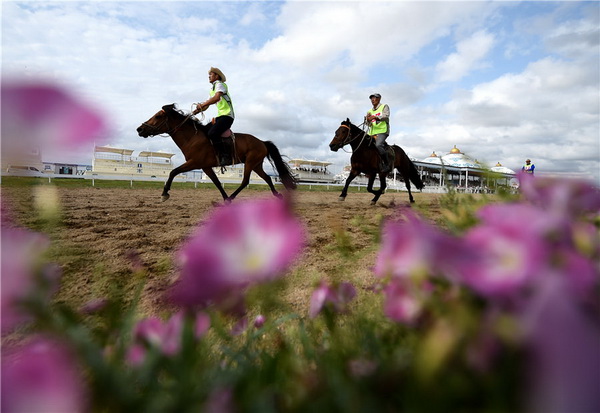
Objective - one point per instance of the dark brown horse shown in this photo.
(191, 137)
(365, 159)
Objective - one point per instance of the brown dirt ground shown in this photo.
(101, 227)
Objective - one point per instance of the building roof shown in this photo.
(456, 158)
(298, 162)
(110, 149)
(148, 154)
(433, 158)
(502, 169)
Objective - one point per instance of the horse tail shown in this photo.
(414, 175)
(285, 174)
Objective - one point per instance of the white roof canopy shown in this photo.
(298, 162)
(147, 154)
(110, 149)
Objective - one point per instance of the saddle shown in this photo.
(226, 149)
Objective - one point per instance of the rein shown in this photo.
(350, 139)
(166, 122)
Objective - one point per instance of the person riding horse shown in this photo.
(219, 94)
(378, 119)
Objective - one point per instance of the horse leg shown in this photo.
(185, 167)
(406, 177)
(382, 186)
(351, 176)
(377, 193)
(246, 179)
(261, 172)
(213, 177)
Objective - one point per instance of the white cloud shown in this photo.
(468, 56)
(296, 69)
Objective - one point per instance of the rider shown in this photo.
(378, 119)
(219, 94)
(528, 168)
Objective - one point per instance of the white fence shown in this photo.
(197, 178)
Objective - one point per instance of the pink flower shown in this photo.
(34, 114)
(412, 247)
(202, 324)
(259, 321)
(240, 244)
(164, 336)
(41, 377)
(564, 346)
(581, 274)
(507, 250)
(335, 297)
(21, 251)
(568, 197)
(401, 304)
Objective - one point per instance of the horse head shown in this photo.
(157, 124)
(342, 136)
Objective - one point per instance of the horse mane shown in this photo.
(172, 108)
(352, 126)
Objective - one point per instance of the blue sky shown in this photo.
(503, 81)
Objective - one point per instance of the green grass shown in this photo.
(17, 181)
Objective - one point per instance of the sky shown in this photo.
(502, 81)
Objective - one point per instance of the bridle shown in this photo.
(166, 122)
(350, 138)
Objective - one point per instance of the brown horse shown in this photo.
(191, 137)
(365, 159)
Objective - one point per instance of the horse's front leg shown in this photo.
(185, 167)
(353, 174)
(213, 177)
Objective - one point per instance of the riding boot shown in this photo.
(384, 165)
(221, 152)
(224, 154)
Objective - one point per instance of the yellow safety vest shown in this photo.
(378, 127)
(528, 168)
(224, 105)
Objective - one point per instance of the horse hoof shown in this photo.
(342, 198)
(373, 202)
(278, 195)
(164, 197)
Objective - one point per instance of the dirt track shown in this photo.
(101, 228)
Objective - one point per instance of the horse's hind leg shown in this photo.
(377, 193)
(406, 177)
(213, 177)
(261, 172)
(249, 166)
(412, 200)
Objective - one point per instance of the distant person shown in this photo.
(378, 119)
(528, 167)
(219, 94)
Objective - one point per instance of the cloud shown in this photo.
(519, 80)
(468, 56)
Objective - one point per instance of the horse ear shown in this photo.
(348, 120)
(169, 107)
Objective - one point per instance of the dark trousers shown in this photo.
(222, 123)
